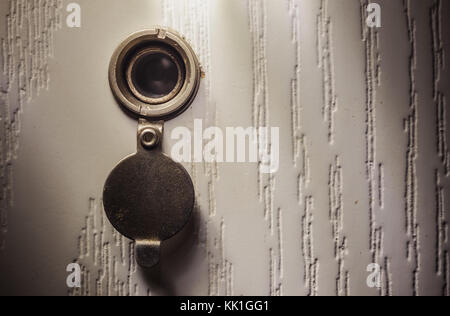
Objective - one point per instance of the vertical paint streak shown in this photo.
(325, 57)
(336, 216)
(260, 109)
(381, 186)
(296, 107)
(311, 262)
(411, 128)
(441, 227)
(439, 85)
(446, 287)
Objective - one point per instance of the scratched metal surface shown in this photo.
(364, 157)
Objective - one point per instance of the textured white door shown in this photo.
(364, 168)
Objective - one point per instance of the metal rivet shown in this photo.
(149, 138)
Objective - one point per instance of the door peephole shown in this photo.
(155, 74)
(148, 197)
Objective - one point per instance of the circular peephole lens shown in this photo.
(155, 75)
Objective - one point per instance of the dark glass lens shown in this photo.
(155, 75)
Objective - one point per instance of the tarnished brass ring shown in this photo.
(177, 49)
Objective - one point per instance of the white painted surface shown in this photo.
(364, 155)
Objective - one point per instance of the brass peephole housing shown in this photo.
(148, 197)
(155, 74)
